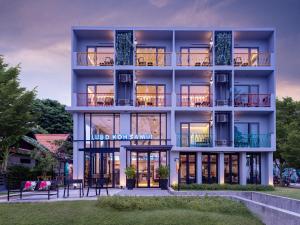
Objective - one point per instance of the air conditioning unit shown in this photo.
(222, 78)
(221, 102)
(222, 118)
(124, 78)
(223, 142)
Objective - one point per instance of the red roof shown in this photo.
(50, 140)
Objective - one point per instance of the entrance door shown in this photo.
(188, 168)
(146, 165)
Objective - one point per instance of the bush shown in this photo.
(163, 172)
(232, 187)
(203, 204)
(130, 172)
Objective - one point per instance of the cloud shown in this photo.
(159, 3)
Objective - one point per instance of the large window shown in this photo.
(246, 95)
(195, 95)
(187, 168)
(100, 95)
(246, 56)
(150, 95)
(209, 168)
(101, 124)
(253, 165)
(100, 56)
(155, 124)
(150, 56)
(191, 56)
(231, 168)
(195, 134)
(246, 134)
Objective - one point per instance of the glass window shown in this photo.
(100, 56)
(100, 94)
(195, 95)
(253, 165)
(188, 168)
(231, 168)
(151, 56)
(194, 56)
(209, 168)
(246, 56)
(150, 95)
(246, 134)
(155, 124)
(195, 134)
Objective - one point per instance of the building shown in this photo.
(201, 101)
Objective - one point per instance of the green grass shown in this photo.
(229, 187)
(286, 192)
(130, 211)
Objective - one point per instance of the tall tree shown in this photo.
(16, 116)
(53, 117)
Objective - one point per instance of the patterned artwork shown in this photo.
(124, 47)
(223, 48)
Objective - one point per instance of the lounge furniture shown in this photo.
(48, 188)
(205, 62)
(108, 61)
(108, 101)
(97, 184)
(150, 63)
(141, 61)
(238, 61)
(71, 182)
(198, 64)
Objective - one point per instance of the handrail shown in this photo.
(153, 99)
(193, 59)
(252, 59)
(194, 100)
(161, 59)
(95, 99)
(95, 58)
(252, 140)
(252, 100)
(194, 140)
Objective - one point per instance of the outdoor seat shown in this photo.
(141, 61)
(238, 61)
(69, 182)
(108, 61)
(205, 62)
(97, 184)
(198, 64)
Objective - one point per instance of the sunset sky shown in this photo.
(36, 33)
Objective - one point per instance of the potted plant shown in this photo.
(163, 172)
(130, 177)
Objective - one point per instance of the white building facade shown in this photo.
(200, 101)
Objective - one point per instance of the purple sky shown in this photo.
(36, 33)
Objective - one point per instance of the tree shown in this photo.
(45, 161)
(53, 118)
(288, 133)
(16, 116)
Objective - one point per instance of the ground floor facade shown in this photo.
(106, 143)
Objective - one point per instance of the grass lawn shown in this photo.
(286, 192)
(131, 211)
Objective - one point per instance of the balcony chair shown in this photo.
(150, 64)
(238, 61)
(197, 63)
(205, 62)
(141, 61)
(108, 61)
(108, 101)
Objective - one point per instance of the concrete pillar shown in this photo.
(75, 146)
(242, 168)
(199, 167)
(267, 168)
(174, 163)
(221, 168)
(122, 166)
(173, 129)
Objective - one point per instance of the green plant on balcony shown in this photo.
(223, 48)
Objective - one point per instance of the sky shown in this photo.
(36, 33)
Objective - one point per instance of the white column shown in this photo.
(242, 169)
(174, 160)
(221, 168)
(267, 168)
(199, 167)
(75, 146)
(122, 166)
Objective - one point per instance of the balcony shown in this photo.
(252, 140)
(193, 140)
(153, 100)
(95, 59)
(95, 99)
(252, 100)
(153, 59)
(244, 59)
(193, 59)
(194, 100)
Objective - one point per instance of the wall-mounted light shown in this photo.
(135, 42)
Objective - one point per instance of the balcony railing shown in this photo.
(95, 99)
(194, 100)
(252, 140)
(153, 59)
(153, 100)
(95, 59)
(252, 100)
(253, 59)
(193, 140)
(193, 59)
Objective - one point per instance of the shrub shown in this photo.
(203, 204)
(163, 172)
(130, 172)
(233, 187)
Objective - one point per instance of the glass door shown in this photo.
(154, 165)
(142, 178)
(188, 168)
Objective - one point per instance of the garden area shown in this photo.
(131, 210)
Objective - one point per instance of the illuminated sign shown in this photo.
(121, 137)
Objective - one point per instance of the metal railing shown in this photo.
(153, 99)
(193, 140)
(193, 59)
(252, 100)
(252, 140)
(95, 99)
(95, 59)
(252, 59)
(153, 59)
(194, 100)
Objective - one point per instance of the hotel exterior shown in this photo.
(201, 101)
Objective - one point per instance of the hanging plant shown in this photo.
(223, 48)
(124, 47)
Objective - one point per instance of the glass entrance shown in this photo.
(146, 165)
(187, 168)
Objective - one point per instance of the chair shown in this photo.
(108, 61)
(141, 61)
(205, 62)
(197, 63)
(238, 61)
(97, 185)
